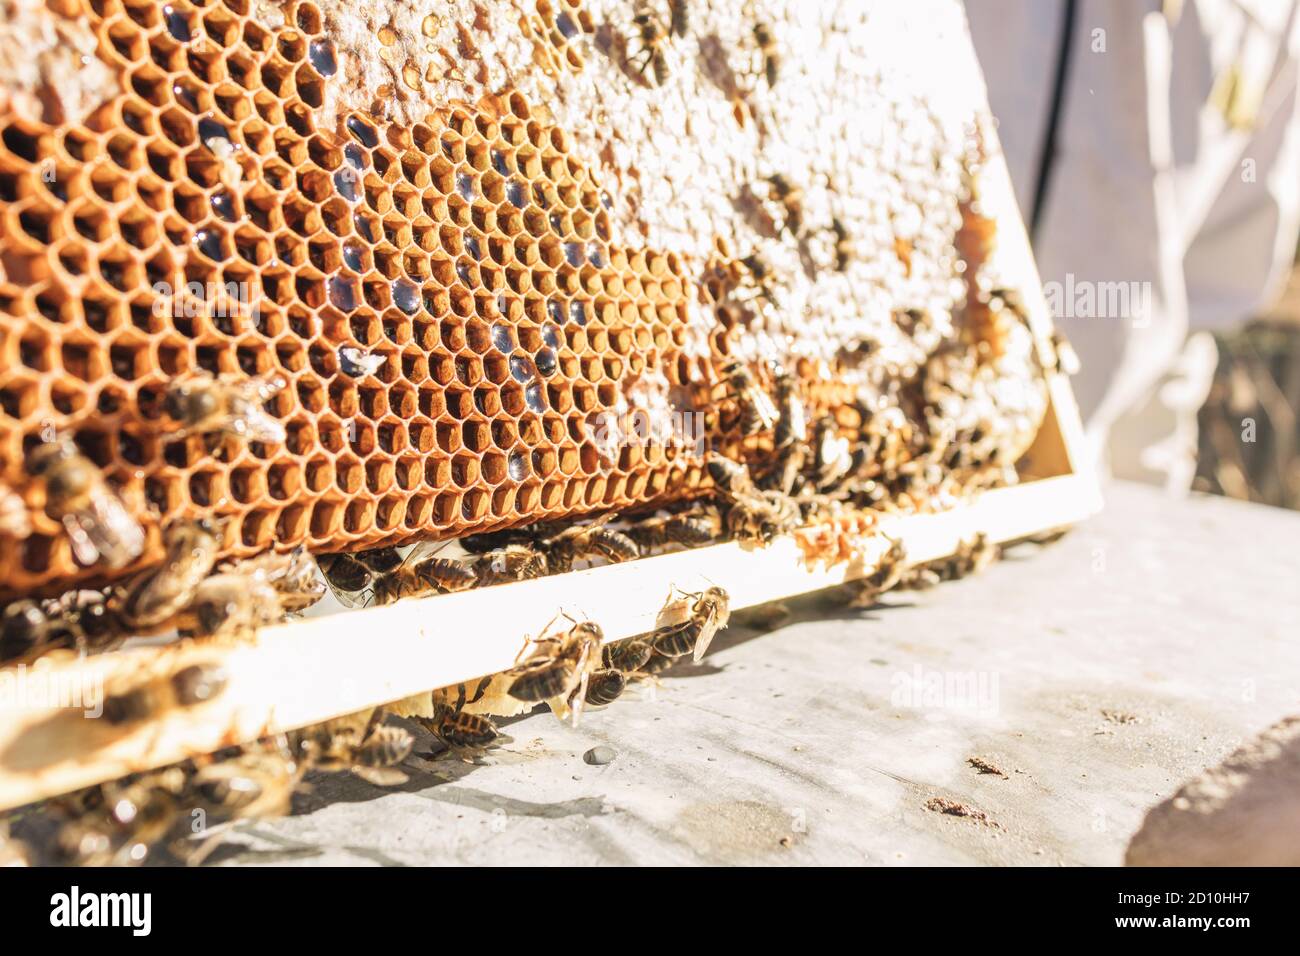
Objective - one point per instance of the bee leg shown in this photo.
(540, 639)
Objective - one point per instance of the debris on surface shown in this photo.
(955, 809)
(983, 765)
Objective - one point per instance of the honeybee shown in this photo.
(919, 579)
(24, 630)
(762, 277)
(384, 748)
(292, 574)
(626, 656)
(974, 556)
(421, 575)
(380, 560)
(688, 528)
(495, 540)
(584, 541)
(14, 519)
(90, 618)
(563, 673)
(460, 730)
(190, 686)
(679, 14)
(790, 199)
(514, 562)
(359, 742)
(78, 619)
(656, 664)
(232, 603)
(888, 573)
(604, 687)
(446, 574)
(792, 422)
(709, 614)
(228, 406)
(786, 476)
(343, 572)
(768, 51)
(753, 515)
(654, 44)
(352, 573)
(757, 410)
(132, 816)
(258, 781)
(98, 525)
(832, 457)
(845, 248)
(157, 595)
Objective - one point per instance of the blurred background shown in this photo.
(1155, 150)
(1257, 378)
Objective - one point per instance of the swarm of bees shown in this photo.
(121, 822)
(182, 593)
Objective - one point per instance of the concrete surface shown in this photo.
(1097, 674)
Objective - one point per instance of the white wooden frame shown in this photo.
(306, 671)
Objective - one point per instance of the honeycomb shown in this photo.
(459, 257)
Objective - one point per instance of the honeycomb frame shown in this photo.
(204, 219)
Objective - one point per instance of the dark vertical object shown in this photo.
(1048, 156)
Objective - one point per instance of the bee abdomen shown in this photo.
(385, 747)
(615, 545)
(541, 684)
(677, 640)
(448, 574)
(459, 729)
(605, 686)
(627, 656)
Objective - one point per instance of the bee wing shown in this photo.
(666, 631)
(351, 599)
(578, 530)
(104, 529)
(83, 548)
(707, 633)
(381, 776)
(765, 408)
(578, 698)
(257, 425)
(567, 707)
(346, 598)
(561, 709)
